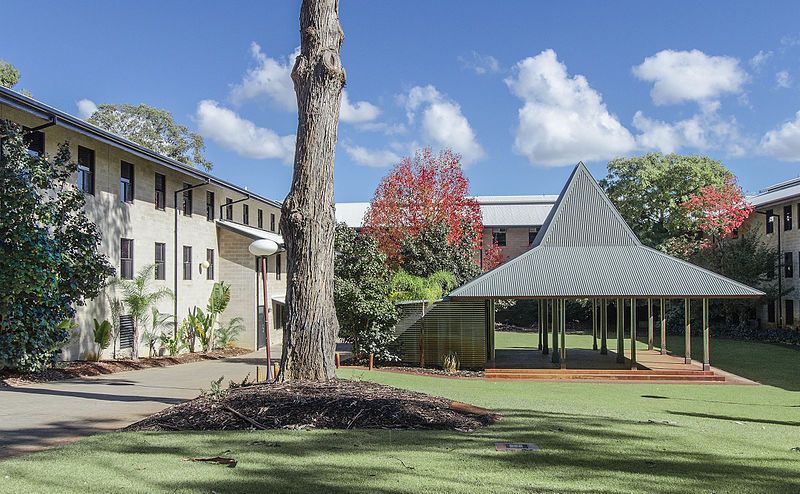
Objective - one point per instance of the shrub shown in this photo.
(227, 334)
(450, 362)
(102, 336)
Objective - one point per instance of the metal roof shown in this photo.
(585, 249)
(62, 119)
(782, 191)
(250, 232)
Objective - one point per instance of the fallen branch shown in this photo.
(246, 418)
(218, 460)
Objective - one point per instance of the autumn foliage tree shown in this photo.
(425, 197)
(718, 210)
(493, 257)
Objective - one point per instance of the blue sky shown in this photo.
(521, 89)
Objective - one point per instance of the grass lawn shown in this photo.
(633, 438)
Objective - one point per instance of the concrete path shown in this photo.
(42, 415)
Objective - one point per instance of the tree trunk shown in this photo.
(307, 218)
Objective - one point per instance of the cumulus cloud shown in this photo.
(563, 119)
(783, 79)
(783, 142)
(271, 77)
(679, 76)
(479, 63)
(358, 112)
(233, 132)
(442, 122)
(378, 158)
(85, 108)
(706, 130)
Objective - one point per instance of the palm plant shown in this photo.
(217, 302)
(102, 336)
(158, 321)
(139, 297)
(228, 333)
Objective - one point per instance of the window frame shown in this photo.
(787, 218)
(228, 209)
(277, 266)
(272, 222)
(86, 169)
(788, 310)
(160, 264)
(211, 264)
(211, 204)
(532, 231)
(498, 234)
(788, 264)
(34, 141)
(769, 225)
(245, 214)
(126, 261)
(188, 200)
(160, 194)
(126, 184)
(187, 263)
(260, 218)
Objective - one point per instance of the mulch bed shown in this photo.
(84, 368)
(336, 404)
(422, 371)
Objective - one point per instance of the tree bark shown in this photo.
(307, 218)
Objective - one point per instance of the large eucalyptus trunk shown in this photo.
(307, 219)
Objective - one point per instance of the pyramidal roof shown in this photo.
(586, 249)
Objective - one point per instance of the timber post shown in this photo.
(603, 326)
(556, 358)
(650, 324)
(545, 319)
(633, 335)
(620, 331)
(687, 317)
(706, 338)
(541, 319)
(594, 324)
(563, 319)
(662, 313)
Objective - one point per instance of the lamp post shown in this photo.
(264, 248)
(777, 226)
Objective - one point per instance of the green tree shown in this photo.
(139, 297)
(153, 128)
(9, 75)
(650, 191)
(361, 294)
(407, 286)
(49, 254)
(430, 252)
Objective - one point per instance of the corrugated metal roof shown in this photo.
(251, 232)
(782, 191)
(585, 249)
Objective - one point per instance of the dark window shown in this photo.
(770, 225)
(788, 264)
(187, 201)
(245, 214)
(86, 170)
(34, 140)
(161, 261)
(228, 209)
(771, 311)
(161, 191)
(210, 259)
(787, 217)
(210, 206)
(126, 182)
(261, 218)
(499, 236)
(126, 259)
(789, 311)
(532, 232)
(272, 222)
(277, 266)
(735, 233)
(187, 262)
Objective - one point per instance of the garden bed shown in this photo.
(422, 371)
(85, 368)
(336, 404)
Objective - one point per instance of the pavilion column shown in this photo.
(603, 326)
(687, 317)
(563, 320)
(633, 334)
(620, 331)
(663, 315)
(594, 324)
(706, 338)
(541, 320)
(543, 330)
(556, 358)
(650, 324)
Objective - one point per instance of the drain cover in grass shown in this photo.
(515, 447)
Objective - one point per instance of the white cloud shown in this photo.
(783, 79)
(479, 63)
(759, 59)
(270, 77)
(360, 112)
(783, 142)
(706, 130)
(231, 131)
(442, 122)
(679, 76)
(378, 158)
(85, 108)
(563, 120)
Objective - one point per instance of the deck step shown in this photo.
(613, 376)
(691, 372)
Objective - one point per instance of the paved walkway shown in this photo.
(42, 415)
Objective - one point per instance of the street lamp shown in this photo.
(264, 248)
(777, 226)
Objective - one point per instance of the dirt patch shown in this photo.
(337, 404)
(84, 368)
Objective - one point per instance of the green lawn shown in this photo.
(634, 438)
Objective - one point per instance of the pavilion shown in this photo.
(586, 251)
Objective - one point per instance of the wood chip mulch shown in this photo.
(336, 404)
(84, 368)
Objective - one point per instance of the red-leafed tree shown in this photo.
(420, 193)
(493, 257)
(718, 210)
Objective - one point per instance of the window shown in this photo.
(187, 262)
(272, 222)
(126, 181)
(277, 266)
(787, 217)
(161, 261)
(788, 264)
(161, 191)
(187, 201)
(210, 259)
(86, 170)
(34, 139)
(770, 224)
(261, 218)
(499, 236)
(789, 303)
(210, 205)
(532, 232)
(245, 214)
(771, 311)
(126, 259)
(228, 209)
(735, 233)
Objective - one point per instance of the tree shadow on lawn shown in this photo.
(578, 453)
